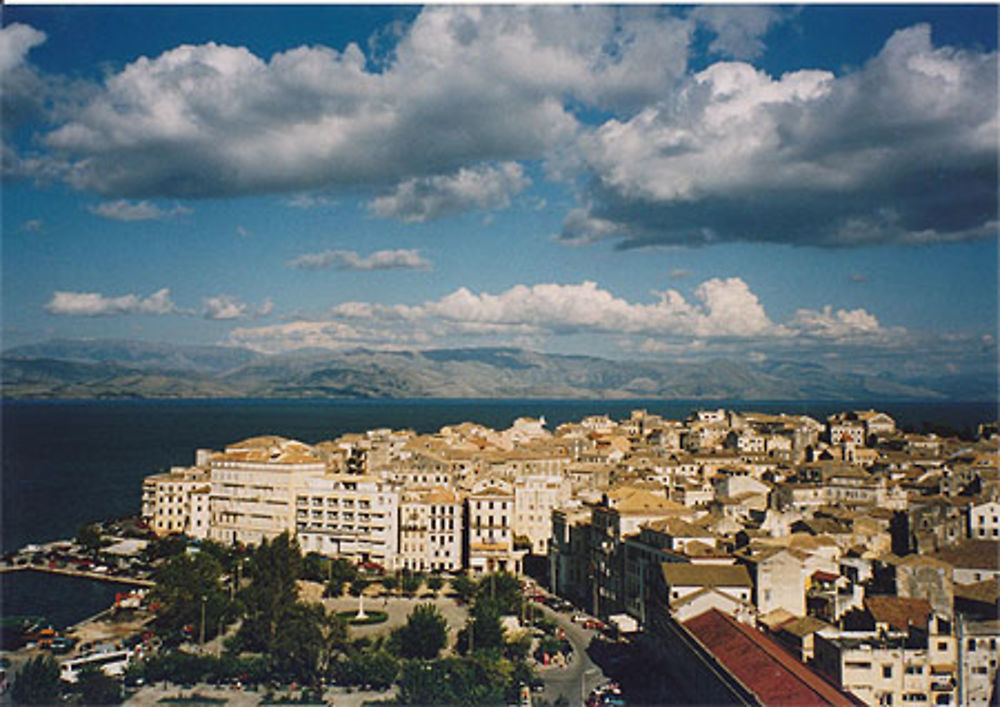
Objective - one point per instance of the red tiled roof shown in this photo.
(899, 612)
(825, 576)
(761, 664)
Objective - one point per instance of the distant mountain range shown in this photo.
(131, 369)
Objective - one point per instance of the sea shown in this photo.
(68, 463)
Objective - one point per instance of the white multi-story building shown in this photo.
(984, 520)
(746, 441)
(845, 428)
(535, 495)
(350, 516)
(876, 423)
(254, 486)
(430, 530)
(977, 661)
(491, 528)
(897, 663)
(177, 501)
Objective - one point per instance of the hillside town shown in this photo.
(759, 557)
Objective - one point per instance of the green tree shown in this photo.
(376, 670)
(464, 587)
(273, 569)
(186, 584)
(435, 582)
(226, 555)
(358, 586)
(389, 583)
(426, 684)
(299, 647)
(503, 588)
(96, 688)
(38, 682)
(340, 572)
(167, 546)
(410, 583)
(89, 537)
(518, 650)
(455, 681)
(424, 635)
(380, 670)
(487, 632)
(314, 567)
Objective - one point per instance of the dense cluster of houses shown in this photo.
(867, 553)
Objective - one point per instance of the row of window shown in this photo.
(982, 642)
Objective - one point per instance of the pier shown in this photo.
(84, 574)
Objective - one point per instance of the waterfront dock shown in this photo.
(84, 574)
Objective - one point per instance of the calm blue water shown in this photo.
(62, 600)
(67, 463)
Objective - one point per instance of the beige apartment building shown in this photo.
(177, 501)
(254, 486)
(491, 528)
(535, 495)
(977, 658)
(430, 530)
(909, 657)
(349, 516)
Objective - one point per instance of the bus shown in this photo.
(112, 663)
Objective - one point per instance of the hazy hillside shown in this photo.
(94, 369)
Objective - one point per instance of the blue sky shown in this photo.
(676, 182)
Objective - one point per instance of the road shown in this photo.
(581, 675)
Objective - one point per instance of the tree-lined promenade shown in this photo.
(230, 615)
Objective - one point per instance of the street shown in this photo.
(575, 681)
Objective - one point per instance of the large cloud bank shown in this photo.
(902, 149)
(721, 309)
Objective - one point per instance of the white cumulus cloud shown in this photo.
(739, 30)
(16, 40)
(223, 307)
(427, 198)
(93, 304)
(842, 324)
(466, 86)
(400, 259)
(124, 210)
(724, 315)
(902, 150)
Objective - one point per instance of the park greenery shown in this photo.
(38, 682)
(273, 636)
(424, 635)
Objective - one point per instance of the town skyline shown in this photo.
(756, 182)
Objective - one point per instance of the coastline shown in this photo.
(96, 576)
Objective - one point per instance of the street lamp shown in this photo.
(201, 640)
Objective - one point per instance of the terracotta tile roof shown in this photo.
(899, 612)
(972, 554)
(697, 549)
(676, 527)
(987, 591)
(776, 619)
(682, 574)
(630, 500)
(491, 492)
(923, 561)
(762, 665)
(821, 576)
(804, 626)
(439, 494)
